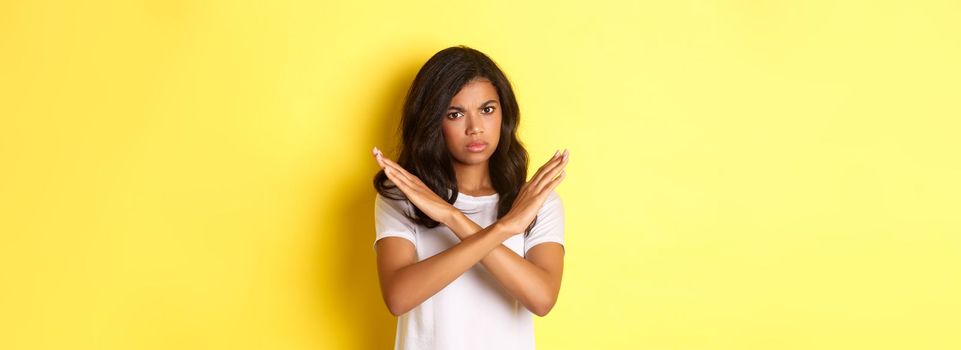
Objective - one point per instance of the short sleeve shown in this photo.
(390, 221)
(550, 224)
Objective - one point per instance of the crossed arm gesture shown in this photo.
(534, 280)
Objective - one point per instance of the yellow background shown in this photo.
(744, 174)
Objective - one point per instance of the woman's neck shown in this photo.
(474, 179)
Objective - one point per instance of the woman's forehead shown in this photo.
(476, 91)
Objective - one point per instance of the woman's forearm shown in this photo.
(411, 285)
(530, 284)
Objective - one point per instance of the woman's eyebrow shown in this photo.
(459, 108)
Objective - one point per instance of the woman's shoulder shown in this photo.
(553, 197)
(393, 198)
(553, 203)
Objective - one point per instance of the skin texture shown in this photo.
(474, 115)
(533, 280)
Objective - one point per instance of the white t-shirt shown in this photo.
(473, 311)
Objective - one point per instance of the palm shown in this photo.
(533, 194)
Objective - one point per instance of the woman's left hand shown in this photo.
(416, 191)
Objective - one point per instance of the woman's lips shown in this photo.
(477, 146)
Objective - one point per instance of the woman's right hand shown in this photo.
(416, 191)
(533, 194)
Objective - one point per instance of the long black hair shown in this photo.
(423, 151)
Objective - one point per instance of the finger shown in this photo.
(413, 192)
(394, 165)
(556, 155)
(398, 181)
(540, 171)
(553, 183)
(379, 156)
(386, 162)
(399, 169)
(402, 171)
(540, 175)
(550, 177)
(550, 171)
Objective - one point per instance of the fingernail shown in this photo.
(556, 153)
(566, 153)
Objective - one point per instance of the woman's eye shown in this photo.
(488, 110)
(453, 115)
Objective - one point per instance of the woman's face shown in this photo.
(472, 125)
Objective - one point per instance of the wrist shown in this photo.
(453, 216)
(503, 229)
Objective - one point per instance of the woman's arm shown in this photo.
(405, 282)
(535, 281)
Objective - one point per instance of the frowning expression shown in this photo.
(473, 122)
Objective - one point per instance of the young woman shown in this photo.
(467, 247)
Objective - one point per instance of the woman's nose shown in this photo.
(474, 125)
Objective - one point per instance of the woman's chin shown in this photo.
(472, 158)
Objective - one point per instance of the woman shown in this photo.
(466, 248)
